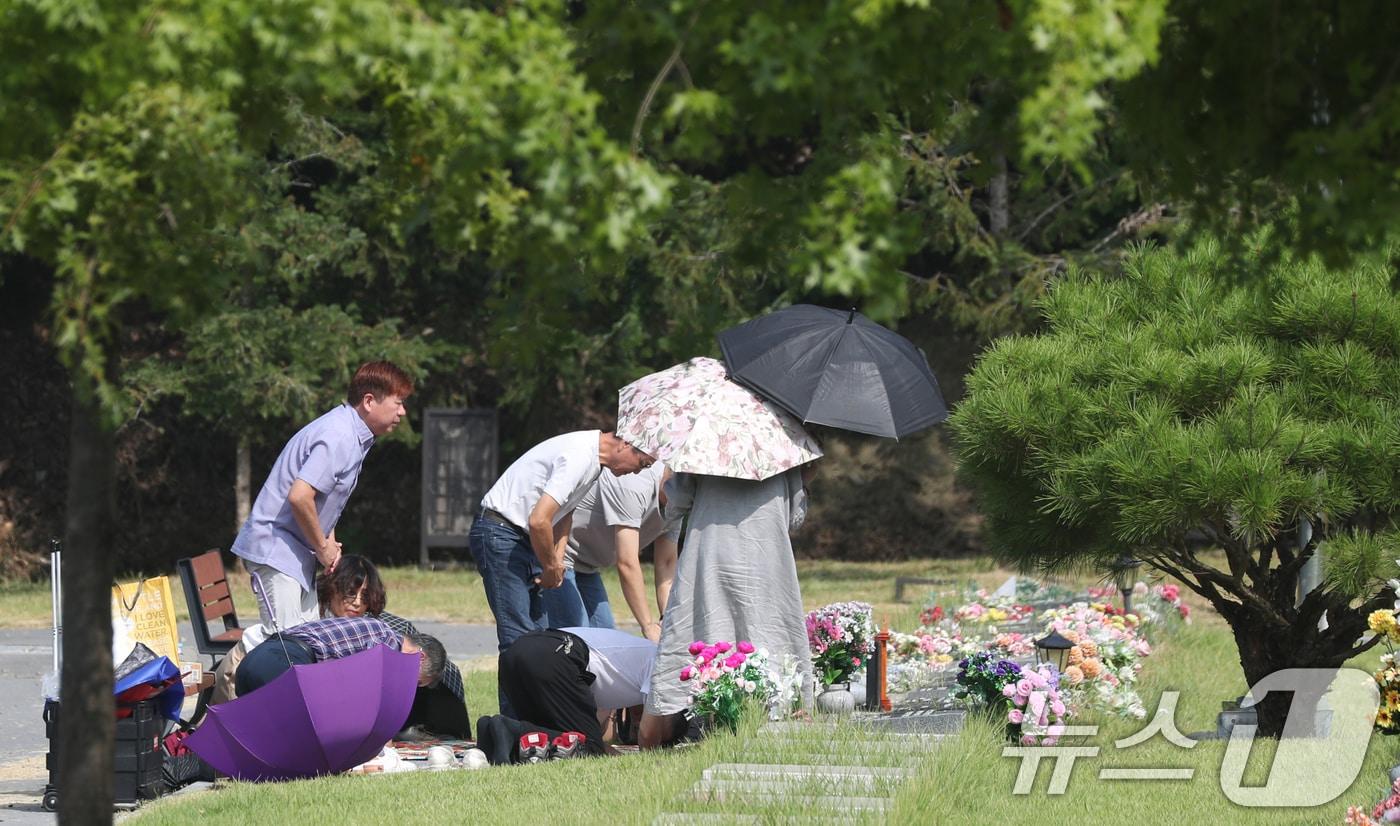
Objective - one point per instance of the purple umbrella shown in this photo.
(313, 719)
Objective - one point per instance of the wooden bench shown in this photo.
(212, 616)
(209, 601)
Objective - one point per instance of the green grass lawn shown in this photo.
(961, 780)
(456, 595)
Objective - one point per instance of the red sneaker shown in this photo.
(534, 747)
(567, 745)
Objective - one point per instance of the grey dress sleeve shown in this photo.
(797, 500)
(680, 495)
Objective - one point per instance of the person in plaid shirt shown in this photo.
(354, 589)
(332, 639)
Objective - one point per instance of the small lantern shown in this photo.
(1053, 648)
(1125, 574)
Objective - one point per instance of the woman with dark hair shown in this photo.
(354, 589)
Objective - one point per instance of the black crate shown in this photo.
(138, 738)
(131, 787)
(138, 759)
(138, 762)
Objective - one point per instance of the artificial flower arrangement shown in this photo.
(1107, 655)
(841, 636)
(1038, 711)
(1160, 607)
(724, 678)
(982, 678)
(983, 607)
(1387, 677)
(1031, 590)
(1387, 811)
(1025, 698)
(915, 660)
(1013, 644)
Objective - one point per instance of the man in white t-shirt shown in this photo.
(519, 537)
(618, 517)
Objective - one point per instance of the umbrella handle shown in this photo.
(261, 593)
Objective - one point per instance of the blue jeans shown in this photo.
(581, 602)
(508, 569)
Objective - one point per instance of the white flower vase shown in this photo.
(858, 688)
(836, 699)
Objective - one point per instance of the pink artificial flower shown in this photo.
(708, 652)
(734, 660)
(722, 646)
(1009, 690)
(745, 647)
(1024, 687)
(1028, 739)
(855, 661)
(1035, 704)
(1058, 707)
(1018, 700)
(1015, 715)
(687, 673)
(696, 647)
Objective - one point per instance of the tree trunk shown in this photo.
(243, 485)
(999, 210)
(1263, 651)
(86, 720)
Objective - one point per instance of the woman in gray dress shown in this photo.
(736, 580)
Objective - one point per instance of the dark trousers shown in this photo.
(267, 662)
(439, 711)
(545, 676)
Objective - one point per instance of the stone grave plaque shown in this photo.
(920, 720)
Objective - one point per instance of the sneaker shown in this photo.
(567, 745)
(534, 747)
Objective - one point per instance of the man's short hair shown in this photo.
(380, 379)
(434, 657)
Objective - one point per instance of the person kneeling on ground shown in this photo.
(564, 682)
(332, 639)
(355, 589)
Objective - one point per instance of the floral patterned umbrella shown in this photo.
(693, 418)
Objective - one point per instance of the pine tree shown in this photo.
(1222, 426)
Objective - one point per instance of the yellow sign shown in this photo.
(144, 612)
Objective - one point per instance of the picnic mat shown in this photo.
(418, 749)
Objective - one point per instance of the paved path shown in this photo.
(26, 655)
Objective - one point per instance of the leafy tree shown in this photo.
(133, 136)
(799, 117)
(1166, 414)
(243, 369)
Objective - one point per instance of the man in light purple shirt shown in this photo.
(292, 524)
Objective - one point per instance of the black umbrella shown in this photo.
(835, 367)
